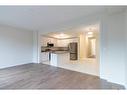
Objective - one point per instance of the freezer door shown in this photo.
(73, 56)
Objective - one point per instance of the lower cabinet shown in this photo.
(44, 56)
(54, 58)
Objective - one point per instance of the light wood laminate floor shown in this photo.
(40, 76)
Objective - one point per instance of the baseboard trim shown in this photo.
(109, 80)
(15, 65)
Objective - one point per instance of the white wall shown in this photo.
(126, 50)
(16, 46)
(112, 66)
(35, 47)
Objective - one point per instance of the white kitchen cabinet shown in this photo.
(44, 56)
(45, 40)
(54, 58)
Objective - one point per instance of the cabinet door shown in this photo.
(54, 59)
(45, 56)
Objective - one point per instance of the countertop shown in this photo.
(60, 52)
(55, 50)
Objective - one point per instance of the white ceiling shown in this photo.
(41, 17)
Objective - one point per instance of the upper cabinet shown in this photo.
(65, 42)
(45, 40)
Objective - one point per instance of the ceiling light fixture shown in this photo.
(61, 36)
(90, 33)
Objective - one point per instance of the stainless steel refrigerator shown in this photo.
(73, 49)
